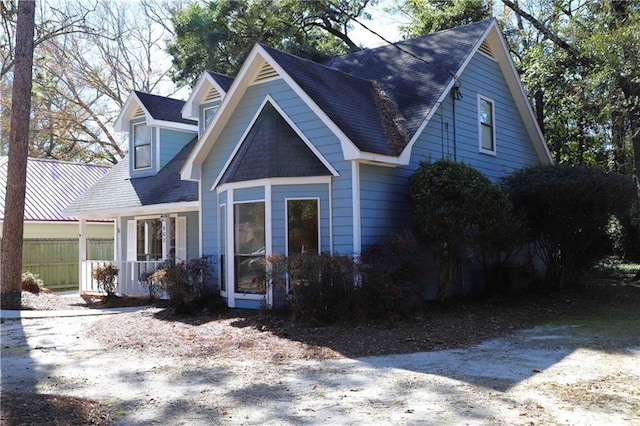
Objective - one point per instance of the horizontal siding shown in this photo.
(171, 142)
(384, 202)
(440, 138)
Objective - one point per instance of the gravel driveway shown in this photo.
(545, 375)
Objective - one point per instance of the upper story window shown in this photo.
(208, 114)
(141, 146)
(486, 118)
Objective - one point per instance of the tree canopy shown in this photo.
(217, 35)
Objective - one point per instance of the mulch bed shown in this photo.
(274, 337)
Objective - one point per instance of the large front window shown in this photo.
(141, 146)
(302, 227)
(249, 247)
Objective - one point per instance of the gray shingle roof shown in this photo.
(415, 84)
(51, 187)
(223, 80)
(164, 108)
(116, 191)
(348, 88)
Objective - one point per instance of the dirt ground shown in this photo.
(568, 358)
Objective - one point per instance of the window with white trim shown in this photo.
(249, 246)
(303, 226)
(486, 125)
(141, 146)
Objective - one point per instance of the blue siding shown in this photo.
(384, 202)
(312, 127)
(193, 235)
(459, 139)
(171, 142)
(385, 206)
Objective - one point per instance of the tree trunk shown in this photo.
(11, 256)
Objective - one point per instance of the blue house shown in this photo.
(294, 156)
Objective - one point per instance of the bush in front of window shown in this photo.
(186, 284)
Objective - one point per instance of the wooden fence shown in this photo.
(56, 261)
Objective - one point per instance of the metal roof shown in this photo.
(51, 187)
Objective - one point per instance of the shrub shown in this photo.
(322, 288)
(393, 276)
(31, 282)
(458, 213)
(567, 210)
(105, 275)
(185, 282)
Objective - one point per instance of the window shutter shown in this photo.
(131, 241)
(181, 238)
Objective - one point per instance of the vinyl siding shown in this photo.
(384, 202)
(514, 149)
(171, 142)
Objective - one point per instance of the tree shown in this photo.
(83, 75)
(429, 16)
(591, 92)
(12, 236)
(218, 35)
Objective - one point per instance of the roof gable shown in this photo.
(376, 99)
(210, 86)
(271, 149)
(52, 186)
(157, 110)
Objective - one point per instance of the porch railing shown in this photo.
(129, 278)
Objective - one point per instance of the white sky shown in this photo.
(381, 22)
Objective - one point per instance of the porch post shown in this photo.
(82, 253)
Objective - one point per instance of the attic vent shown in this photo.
(212, 94)
(486, 49)
(139, 113)
(266, 72)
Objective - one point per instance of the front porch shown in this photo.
(131, 277)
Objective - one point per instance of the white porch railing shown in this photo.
(128, 281)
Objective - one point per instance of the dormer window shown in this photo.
(141, 146)
(208, 114)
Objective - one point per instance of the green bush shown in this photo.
(31, 282)
(105, 275)
(567, 210)
(459, 214)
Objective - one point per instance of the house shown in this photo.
(156, 214)
(294, 156)
(50, 237)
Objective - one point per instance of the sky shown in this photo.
(381, 22)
